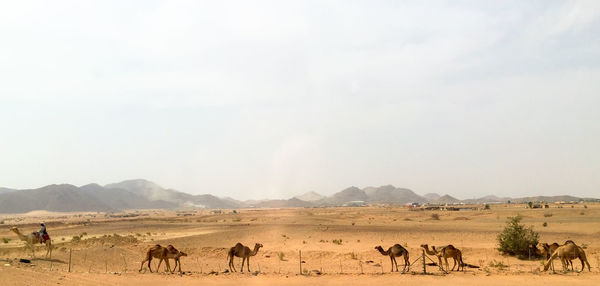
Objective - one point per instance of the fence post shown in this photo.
(300, 256)
(70, 251)
(424, 265)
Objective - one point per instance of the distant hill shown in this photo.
(431, 196)
(143, 194)
(447, 199)
(309, 197)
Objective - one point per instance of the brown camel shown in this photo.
(158, 252)
(244, 252)
(546, 249)
(173, 253)
(566, 253)
(448, 251)
(31, 240)
(396, 251)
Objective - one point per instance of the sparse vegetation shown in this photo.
(435, 216)
(353, 256)
(76, 238)
(545, 224)
(486, 207)
(5, 240)
(548, 215)
(497, 264)
(337, 241)
(281, 256)
(516, 238)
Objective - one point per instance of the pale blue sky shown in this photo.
(273, 99)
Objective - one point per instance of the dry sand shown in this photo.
(101, 258)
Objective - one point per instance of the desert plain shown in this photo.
(336, 246)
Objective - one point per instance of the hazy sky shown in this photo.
(273, 99)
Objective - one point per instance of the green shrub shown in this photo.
(337, 241)
(545, 224)
(5, 240)
(516, 238)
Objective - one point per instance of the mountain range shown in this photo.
(143, 194)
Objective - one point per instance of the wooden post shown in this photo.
(50, 260)
(105, 266)
(381, 264)
(300, 256)
(70, 251)
(424, 265)
(341, 271)
(552, 262)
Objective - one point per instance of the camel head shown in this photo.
(569, 241)
(378, 247)
(425, 246)
(181, 253)
(258, 246)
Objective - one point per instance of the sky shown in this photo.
(271, 99)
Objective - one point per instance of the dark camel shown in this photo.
(396, 251)
(244, 252)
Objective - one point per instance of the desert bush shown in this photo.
(337, 241)
(486, 207)
(516, 238)
(545, 224)
(76, 238)
(281, 256)
(5, 240)
(407, 219)
(435, 216)
(584, 206)
(582, 213)
(353, 256)
(548, 215)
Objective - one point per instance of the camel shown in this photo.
(244, 252)
(30, 240)
(396, 251)
(546, 250)
(567, 253)
(448, 251)
(173, 253)
(158, 252)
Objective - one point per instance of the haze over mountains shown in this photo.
(143, 194)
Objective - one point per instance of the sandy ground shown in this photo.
(102, 258)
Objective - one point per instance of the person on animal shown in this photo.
(42, 234)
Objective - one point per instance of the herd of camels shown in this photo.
(566, 252)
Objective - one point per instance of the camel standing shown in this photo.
(244, 252)
(158, 252)
(446, 252)
(566, 253)
(172, 253)
(31, 240)
(396, 251)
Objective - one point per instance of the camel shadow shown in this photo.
(53, 260)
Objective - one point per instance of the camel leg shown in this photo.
(406, 262)
(231, 265)
(248, 263)
(446, 262)
(167, 264)
(453, 259)
(159, 262)
(179, 265)
(392, 263)
(243, 260)
(395, 263)
(149, 260)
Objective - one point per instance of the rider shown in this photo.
(43, 233)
